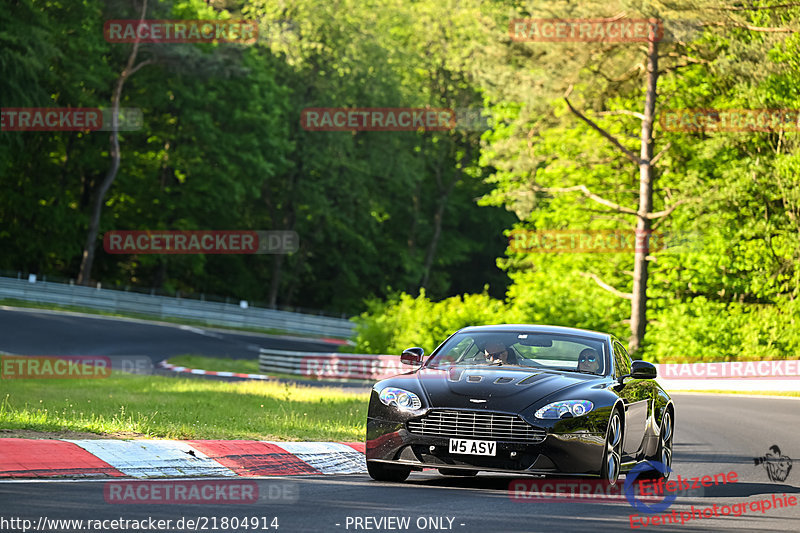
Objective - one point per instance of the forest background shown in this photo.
(409, 231)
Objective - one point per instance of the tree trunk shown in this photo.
(444, 194)
(643, 224)
(437, 232)
(87, 259)
(275, 282)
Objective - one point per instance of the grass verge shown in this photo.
(217, 364)
(179, 408)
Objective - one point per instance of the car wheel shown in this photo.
(457, 472)
(664, 451)
(612, 458)
(382, 472)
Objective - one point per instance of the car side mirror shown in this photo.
(643, 370)
(640, 370)
(412, 356)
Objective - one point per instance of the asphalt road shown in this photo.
(714, 434)
(38, 332)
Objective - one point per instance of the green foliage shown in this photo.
(425, 213)
(705, 331)
(222, 148)
(403, 321)
(731, 294)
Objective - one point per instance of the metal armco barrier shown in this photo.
(331, 365)
(212, 313)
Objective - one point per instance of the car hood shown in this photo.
(494, 388)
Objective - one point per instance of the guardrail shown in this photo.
(211, 313)
(737, 376)
(336, 366)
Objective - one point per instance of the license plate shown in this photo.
(473, 447)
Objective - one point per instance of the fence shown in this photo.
(210, 313)
(331, 365)
(734, 376)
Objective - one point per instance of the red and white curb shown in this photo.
(174, 368)
(26, 458)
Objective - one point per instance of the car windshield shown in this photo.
(550, 351)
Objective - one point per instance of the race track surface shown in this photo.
(714, 434)
(37, 332)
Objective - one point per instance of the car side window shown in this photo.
(622, 361)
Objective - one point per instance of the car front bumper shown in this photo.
(575, 453)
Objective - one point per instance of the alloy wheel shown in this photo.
(613, 449)
(666, 440)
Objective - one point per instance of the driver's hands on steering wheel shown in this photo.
(495, 358)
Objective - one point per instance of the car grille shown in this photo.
(476, 425)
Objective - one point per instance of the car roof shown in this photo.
(537, 328)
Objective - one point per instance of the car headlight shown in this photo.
(568, 407)
(402, 399)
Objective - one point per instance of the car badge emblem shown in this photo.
(476, 400)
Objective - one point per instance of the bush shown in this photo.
(404, 321)
(705, 331)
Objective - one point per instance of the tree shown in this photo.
(87, 259)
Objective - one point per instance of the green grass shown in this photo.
(179, 408)
(11, 302)
(217, 364)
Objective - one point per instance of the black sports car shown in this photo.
(523, 399)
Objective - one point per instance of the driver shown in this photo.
(496, 351)
(588, 361)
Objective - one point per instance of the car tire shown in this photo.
(457, 472)
(612, 456)
(664, 451)
(383, 472)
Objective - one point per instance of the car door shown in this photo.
(636, 398)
